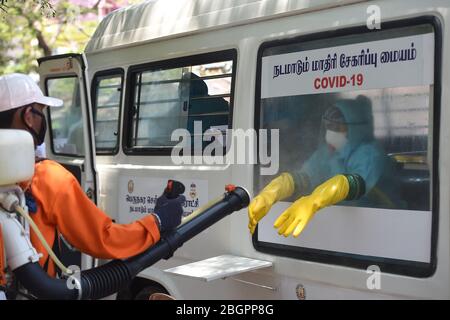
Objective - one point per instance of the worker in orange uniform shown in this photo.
(61, 205)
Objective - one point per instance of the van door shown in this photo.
(69, 139)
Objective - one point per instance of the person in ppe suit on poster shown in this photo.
(56, 201)
(349, 167)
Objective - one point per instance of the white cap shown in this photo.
(17, 90)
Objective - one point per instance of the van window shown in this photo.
(341, 105)
(176, 94)
(107, 97)
(66, 123)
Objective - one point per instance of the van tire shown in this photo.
(146, 292)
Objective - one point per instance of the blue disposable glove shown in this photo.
(169, 212)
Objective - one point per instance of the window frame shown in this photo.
(394, 266)
(49, 118)
(204, 58)
(94, 85)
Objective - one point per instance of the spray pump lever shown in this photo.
(173, 189)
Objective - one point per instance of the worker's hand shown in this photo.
(169, 212)
(296, 217)
(278, 189)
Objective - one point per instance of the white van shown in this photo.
(266, 64)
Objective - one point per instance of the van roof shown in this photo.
(157, 19)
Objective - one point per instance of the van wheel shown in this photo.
(146, 292)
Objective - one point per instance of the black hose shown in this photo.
(41, 285)
(109, 278)
(165, 248)
(105, 280)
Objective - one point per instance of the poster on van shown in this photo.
(375, 91)
(138, 195)
(397, 62)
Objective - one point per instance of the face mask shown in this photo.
(38, 136)
(40, 151)
(336, 139)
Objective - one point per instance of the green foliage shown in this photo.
(33, 29)
(44, 5)
(30, 29)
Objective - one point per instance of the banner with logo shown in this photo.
(138, 195)
(397, 62)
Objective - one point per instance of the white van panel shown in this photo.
(231, 236)
(152, 20)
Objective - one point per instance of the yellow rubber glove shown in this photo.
(296, 217)
(278, 189)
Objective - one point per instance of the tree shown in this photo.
(44, 4)
(33, 29)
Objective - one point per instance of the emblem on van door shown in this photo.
(193, 191)
(69, 64)
(301, 292)
(130, 186)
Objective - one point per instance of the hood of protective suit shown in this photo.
(358, 118)
(198, 87)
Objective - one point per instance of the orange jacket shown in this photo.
(63, 206)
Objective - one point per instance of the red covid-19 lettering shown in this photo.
(338, 81)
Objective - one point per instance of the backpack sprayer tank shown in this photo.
(16, 165)
(16, 157)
